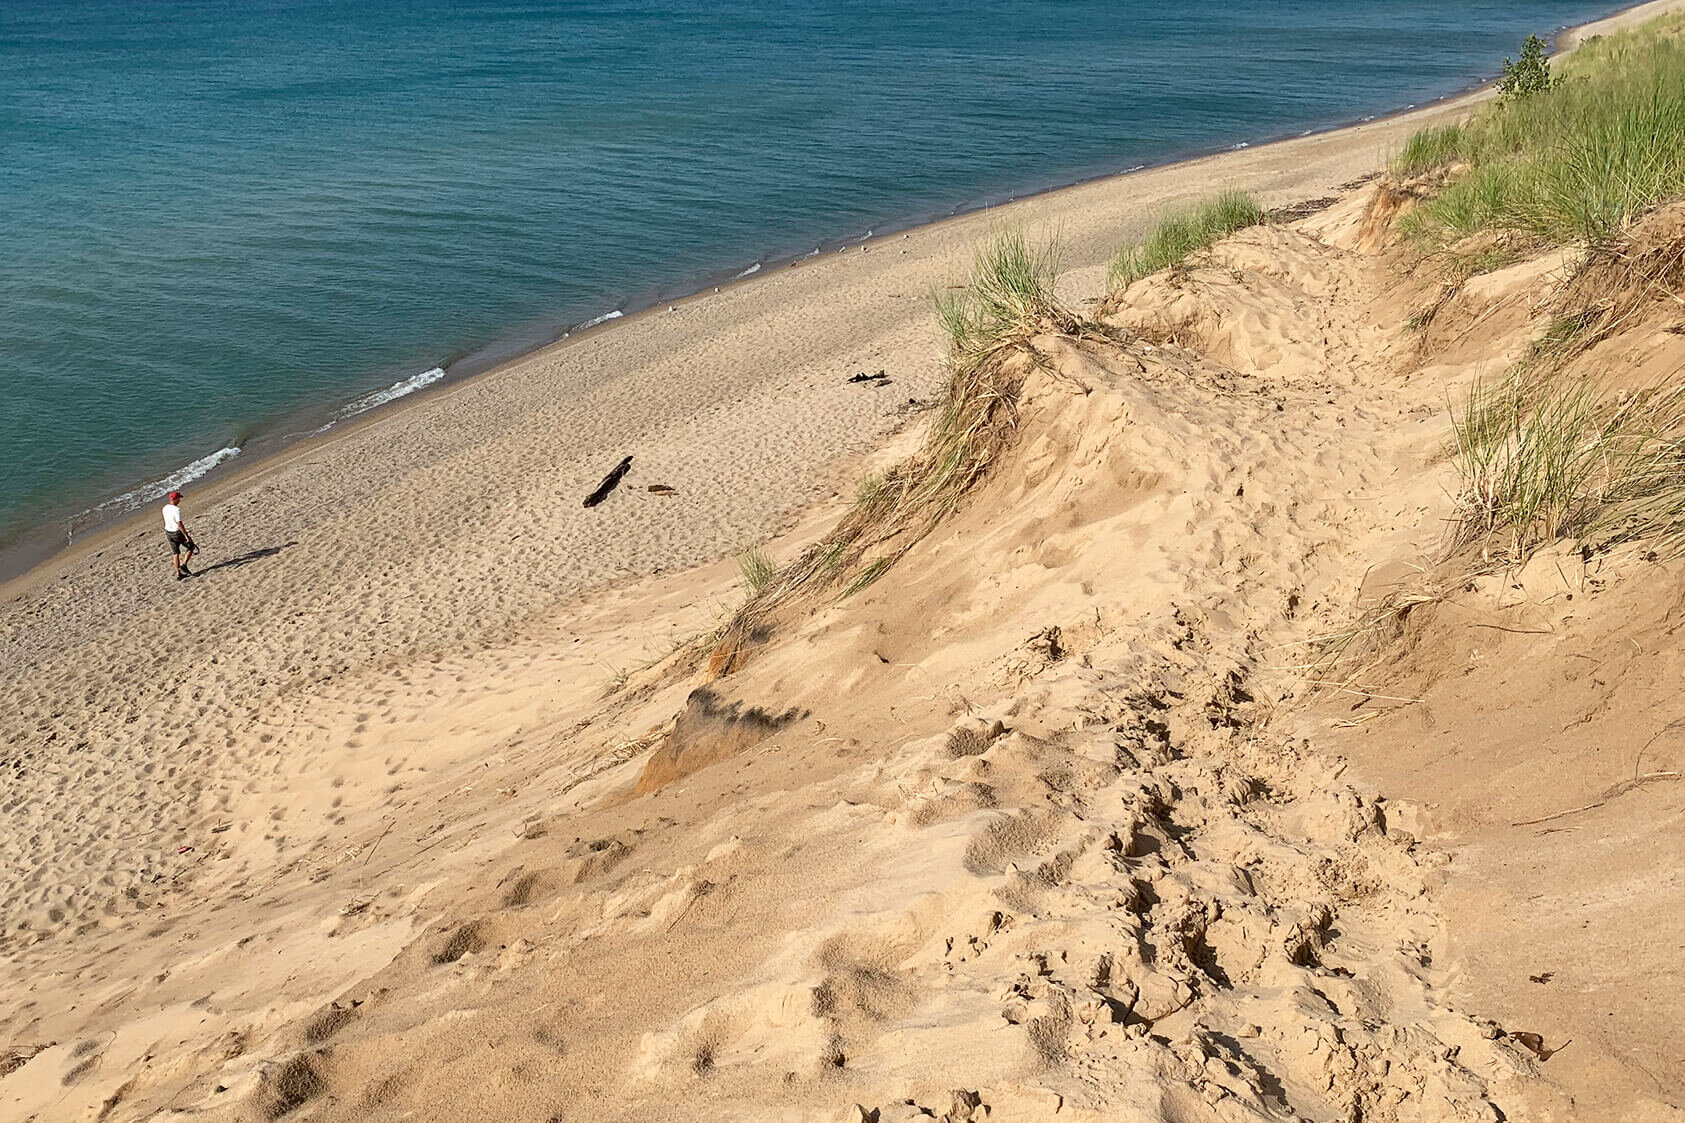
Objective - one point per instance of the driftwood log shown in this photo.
(610, 482)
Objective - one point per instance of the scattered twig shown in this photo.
(1344, 689)
(1664, 731)
(1619, 789)
(379, 840)
(697, 892)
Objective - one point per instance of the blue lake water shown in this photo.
(226, 218)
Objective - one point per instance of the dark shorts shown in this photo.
(178, 541)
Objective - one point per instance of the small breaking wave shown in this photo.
(603, 319)
(391, 394)
(157, 489)
(749, 272)
(147, 493)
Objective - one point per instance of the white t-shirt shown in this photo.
(172, 518)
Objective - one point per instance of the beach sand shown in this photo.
(374, 766)
(457, 524)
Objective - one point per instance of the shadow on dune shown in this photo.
(246, 558)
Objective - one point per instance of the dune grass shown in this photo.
(1008, 296)
(1563, 458)
(1549, 451)
(1543, 454)
(1571, 163)
(1006, 301)
(757, 570)
(1179, 235)
(1429, 150)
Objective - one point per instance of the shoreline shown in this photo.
(304, 430)
(31, 555)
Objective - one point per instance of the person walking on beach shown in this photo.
(176, 531)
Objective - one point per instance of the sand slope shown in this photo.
(419, 806)
(1533, 714)
(1014, 821)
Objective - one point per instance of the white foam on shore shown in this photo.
(603, 319)
(749, 272)
(154, 491)
(392, 393)
(157, 489)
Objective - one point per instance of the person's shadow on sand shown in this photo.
(246, 558)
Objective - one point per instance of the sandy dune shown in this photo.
(343, 570)
(416, 805)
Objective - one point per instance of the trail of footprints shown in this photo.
(1162, 895)
(1129, 898)
(1161, 910)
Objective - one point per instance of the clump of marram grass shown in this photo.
(1177, 236)
(1572, 162)
(990, 321)
(1544, 454)
(1008, 297)
(1429, 150)
(757, 570)
(1569, 461)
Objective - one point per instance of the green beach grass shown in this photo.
(1542, 454)
(1182, 234)
(1007, 300)
(1571, 163)
(1572, 462)
(1009, 293)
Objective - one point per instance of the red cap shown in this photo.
(174, 495)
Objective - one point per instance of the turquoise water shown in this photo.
(224, 220)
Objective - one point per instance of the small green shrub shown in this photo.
(1179, 235)
(1528, 75)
